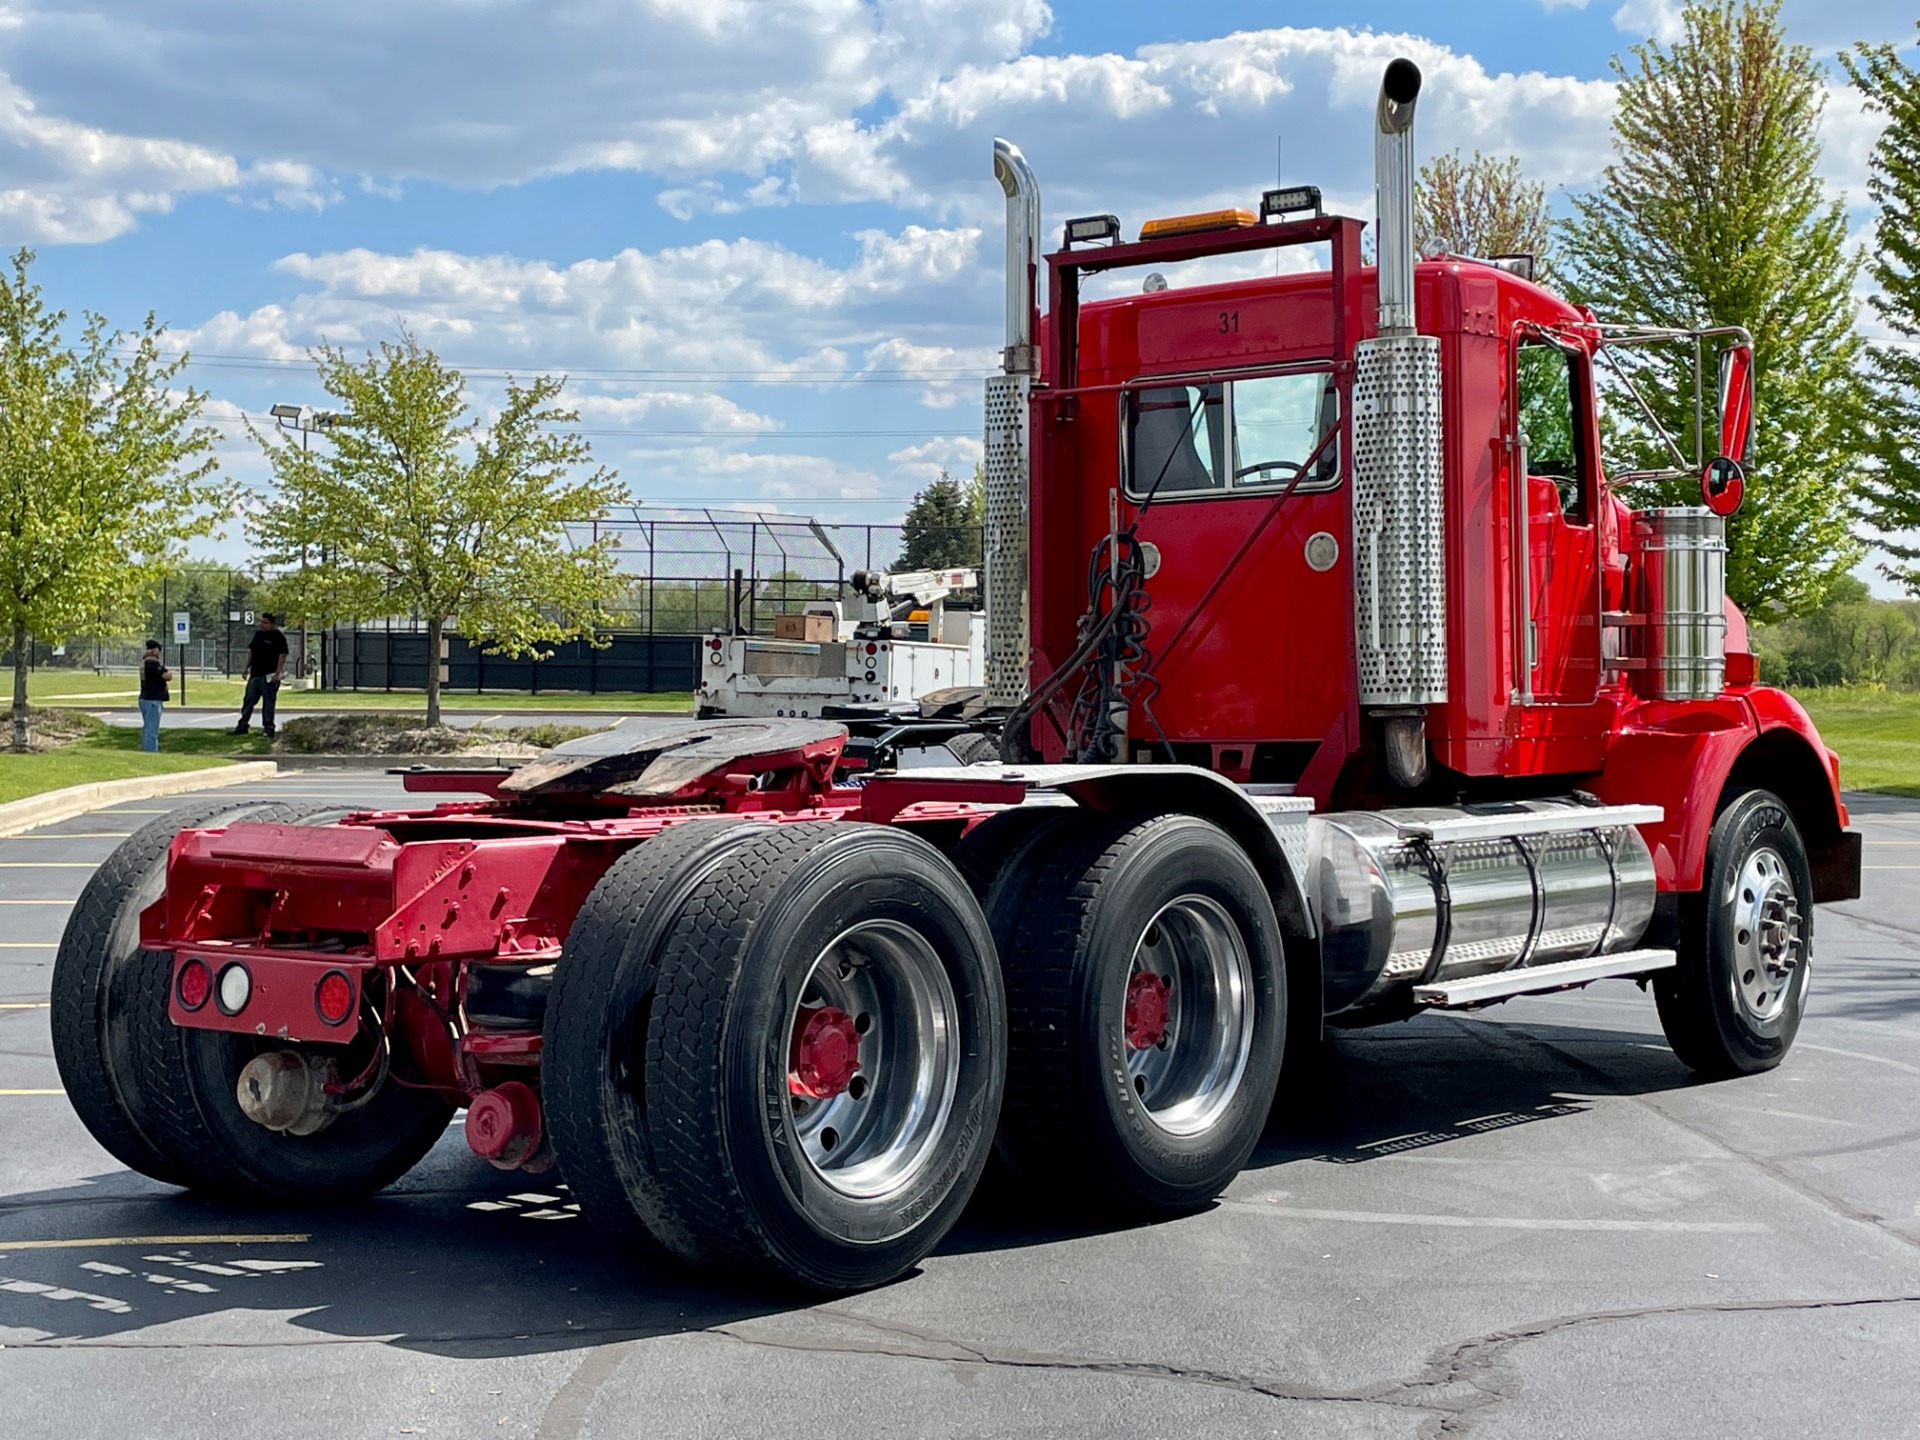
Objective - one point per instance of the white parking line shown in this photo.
(1501, 1222)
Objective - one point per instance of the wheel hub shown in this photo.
(1148, 1005)
(1187, 1015)
(1768, 934)
(826, 1053)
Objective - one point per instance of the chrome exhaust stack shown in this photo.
(1399, 576)
(1005, 461)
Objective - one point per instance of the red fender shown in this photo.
(1693, 748)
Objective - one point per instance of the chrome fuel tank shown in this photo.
(1427, 894)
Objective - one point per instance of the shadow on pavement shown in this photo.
(463, 1261)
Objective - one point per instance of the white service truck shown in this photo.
(901, 643)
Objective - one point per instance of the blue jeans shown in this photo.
(262, 690)
(150, 724)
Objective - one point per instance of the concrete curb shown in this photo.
(479, 760)
(18, 816)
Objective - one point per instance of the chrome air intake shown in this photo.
(1005, 461)
(1399, 579)
(1409, 896)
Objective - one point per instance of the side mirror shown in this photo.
(1723, 484)
(1736, 404)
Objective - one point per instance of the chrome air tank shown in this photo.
(1429, 894)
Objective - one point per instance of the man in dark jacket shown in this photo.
(153, 696)
(266, 661)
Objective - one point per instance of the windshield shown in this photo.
(1228, 437)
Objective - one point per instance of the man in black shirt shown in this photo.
(153, 696)
(266, 660)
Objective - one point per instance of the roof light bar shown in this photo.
(1235, 219)
(1091, 228)
(1290, 200)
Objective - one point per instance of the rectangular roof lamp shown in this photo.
(1090, 229)
(1235, 219)
(1290, 200)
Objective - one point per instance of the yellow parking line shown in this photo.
(32, 1092)
(29, 944)
(6, 1245)
(26, 1004)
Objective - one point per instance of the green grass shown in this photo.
(24, 775)
(1876, 734)
(65, 687)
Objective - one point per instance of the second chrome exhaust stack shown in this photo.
(1399, 575)
(1005, 460)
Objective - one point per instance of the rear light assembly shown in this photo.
(194, 985)
(333, 997)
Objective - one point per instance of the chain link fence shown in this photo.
(686, 574)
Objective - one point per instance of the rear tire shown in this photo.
(974, 748)
(177, 1086)
(815, 952)
(594, 1045)
(1147, 1007)
(1733, 1003)
(103, 1005)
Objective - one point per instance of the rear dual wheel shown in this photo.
(1146, 998)
(784, 1051)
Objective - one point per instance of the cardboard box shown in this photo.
(815, 628)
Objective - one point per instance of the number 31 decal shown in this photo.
(1229, 322)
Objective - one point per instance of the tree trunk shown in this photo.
(19, 686)
(433, 670)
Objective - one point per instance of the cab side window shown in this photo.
(1178, 439)
(1550, 418)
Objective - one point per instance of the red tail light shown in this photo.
(195, 985)
(333, 997)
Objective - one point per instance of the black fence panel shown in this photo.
(397, 660)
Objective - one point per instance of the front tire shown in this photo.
(1147, 1001)
(1733, 1003)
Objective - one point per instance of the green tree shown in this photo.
(1890, 484)
(104, 474)
(417, 506)
(942, 526)
(1483, 206)
(1712, 212)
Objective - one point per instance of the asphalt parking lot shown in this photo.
(1524, 1223)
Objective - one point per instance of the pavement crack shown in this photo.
(926, 1347)
(1480, 1362)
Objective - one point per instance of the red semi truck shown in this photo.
(1333, 682)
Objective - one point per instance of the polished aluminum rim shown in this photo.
(875, 1131)
(1768, 935)
(1187, 1015)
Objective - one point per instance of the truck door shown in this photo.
(1553, 396)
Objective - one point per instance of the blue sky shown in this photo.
(762, 235)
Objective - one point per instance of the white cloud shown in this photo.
(720, 307)
(1662, 20)
(496, 93)
(954, 455)
(62, 181)
(1848, 133)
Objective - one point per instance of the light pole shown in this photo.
(307, 421)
